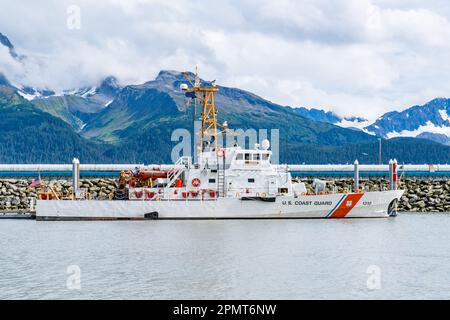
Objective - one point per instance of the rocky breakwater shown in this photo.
(16, 194)
(421, 194)
(100, 188)
(426, 195)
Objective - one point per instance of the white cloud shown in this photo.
(9, 65)
(355, 57)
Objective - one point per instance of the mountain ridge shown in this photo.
(111, 122)
(141, 104)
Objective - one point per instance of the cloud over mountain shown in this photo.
(354, 57)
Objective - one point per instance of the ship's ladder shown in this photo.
(221, 180)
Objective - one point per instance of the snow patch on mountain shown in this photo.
(28, 96)
(82, 126)
(89, 92)
(356, 123)
(444, 114)
(429, 127)
(330, 117)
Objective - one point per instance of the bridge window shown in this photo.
(251, 180)
(247, 156)
(256, 156)
(240, 156)
(265, 156)
(212, 180)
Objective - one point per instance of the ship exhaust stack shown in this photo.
(75, 176)
(393, 174)
(356, 175)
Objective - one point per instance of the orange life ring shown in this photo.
(196, 182)
(138, 194)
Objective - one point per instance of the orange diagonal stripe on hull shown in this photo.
(348, 204)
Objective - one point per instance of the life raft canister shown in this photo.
(149, 194)
(196, 182)
(194, 193)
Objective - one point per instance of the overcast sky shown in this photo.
(355, 57)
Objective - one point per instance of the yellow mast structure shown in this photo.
(209, 114)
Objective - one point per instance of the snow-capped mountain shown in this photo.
(102, 93)
(331, 117)
(77, 106)
(31, 93)
(430, 121)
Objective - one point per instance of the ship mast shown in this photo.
(205, 95)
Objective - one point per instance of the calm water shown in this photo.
(249, 259)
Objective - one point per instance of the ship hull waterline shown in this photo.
(349, 205)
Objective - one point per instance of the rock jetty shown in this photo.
(422, 194)
(15, 194)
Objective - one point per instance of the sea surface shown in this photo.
(395, 258)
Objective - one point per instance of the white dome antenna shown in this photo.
(184, 87)
(265, 144)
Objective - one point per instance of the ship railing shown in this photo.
(249, 192)
(181, 166)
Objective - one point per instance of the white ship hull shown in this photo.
(351, 205)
